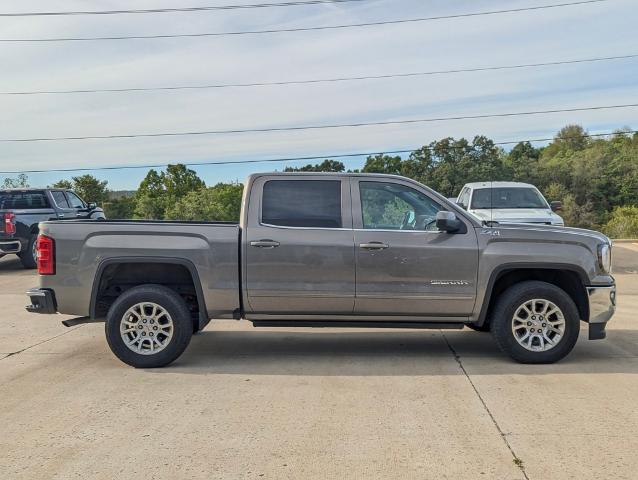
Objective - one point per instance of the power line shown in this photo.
(314, 157)
(177, 10)
(315, 127)
(320, 80)
(302, 29)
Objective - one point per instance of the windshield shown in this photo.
(507, 197)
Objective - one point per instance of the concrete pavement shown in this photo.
(301, 403)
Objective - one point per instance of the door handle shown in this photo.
(264, 243)
(374, 246)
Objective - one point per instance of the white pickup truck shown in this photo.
(508, 202)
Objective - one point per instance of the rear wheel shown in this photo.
(29, 257)
(148, 326)
(535, 322)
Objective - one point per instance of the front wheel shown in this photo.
(148, 326)
(535, 322)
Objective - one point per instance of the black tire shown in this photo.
(28, 257)
(512, 299)
(479, 328)
(172, 303)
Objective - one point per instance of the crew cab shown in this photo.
(509, 202)
(319, 250)
(21, 209)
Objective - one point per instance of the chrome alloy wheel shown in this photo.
(538, 325)
(146, 328)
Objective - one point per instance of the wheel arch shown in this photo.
(570, 278)
(96, 310)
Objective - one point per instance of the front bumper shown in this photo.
(602, 305)
(42, 301)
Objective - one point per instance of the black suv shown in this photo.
(21, 209)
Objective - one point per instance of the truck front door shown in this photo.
(299, 250)
(404, 264)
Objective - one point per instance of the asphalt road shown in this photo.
(300, 403)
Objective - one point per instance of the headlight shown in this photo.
(604, 257)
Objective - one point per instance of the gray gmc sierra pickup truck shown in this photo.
(338, 250)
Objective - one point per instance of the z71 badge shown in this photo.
(491, 232)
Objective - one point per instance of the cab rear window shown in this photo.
(23, 200)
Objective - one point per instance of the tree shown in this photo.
(522, 161)
(150, 198)
(159, 192)
(383, 164)
(219, 203)
(179, 180)
(623, 223)
(573, 137)
(325, 166)
(578, 215)
(87, 187)
(21, 181)
(63, 184)
(457, 162)
(121, 208)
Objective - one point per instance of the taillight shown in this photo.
(46, 255)
(9, 226)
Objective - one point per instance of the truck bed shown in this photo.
(209, 251)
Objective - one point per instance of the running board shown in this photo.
(80, 320)
(355, 324)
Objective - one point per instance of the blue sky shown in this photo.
(576, 32)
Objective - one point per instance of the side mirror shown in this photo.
(447, 222)
(92, 206)
(556, 206)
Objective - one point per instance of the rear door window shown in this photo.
(60, 199)
(302, 203)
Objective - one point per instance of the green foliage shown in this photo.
(590, 176)
(161, 191)
(325, 166)
(578, 215)
(446, 165)
(179, 180)
(383, 164)
(120, 208)
(623, 223)
(219, 203)
(21, 181)
(89, 188)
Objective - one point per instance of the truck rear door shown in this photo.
(63, 208)
(299, 250)
(404, 265)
